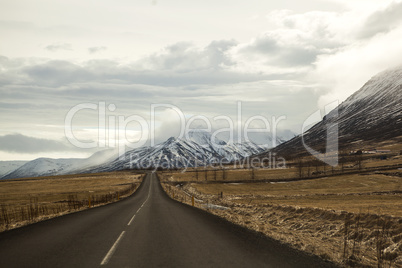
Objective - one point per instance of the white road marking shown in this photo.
(129, 223)
(150, 187)
(149, 193)
(112, 249)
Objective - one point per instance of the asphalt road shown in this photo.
(147, 229)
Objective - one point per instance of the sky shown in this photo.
(94, 74)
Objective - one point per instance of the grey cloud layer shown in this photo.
(281, 54)
(180, 64)
(57, 47)
(184, 56)
(382, 21)
(93, 50)
(22, 144)
(181, 69)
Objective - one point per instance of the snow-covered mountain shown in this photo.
(49, 166)
(7, 167)
(198, 149)
(43, 167)
(371, 115)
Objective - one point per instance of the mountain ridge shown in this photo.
(198, 150)
(371, 115)
(182, 153)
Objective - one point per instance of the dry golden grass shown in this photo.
(354, 183)
(396, 160)
(55, 195)
(58, 188)
(395, 145)
(377, 193)
(228, 175)
(371, 204)
(283, 174)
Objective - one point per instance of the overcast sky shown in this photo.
(278, 58)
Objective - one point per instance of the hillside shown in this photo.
(370, 116)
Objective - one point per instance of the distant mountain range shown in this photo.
(197, 150)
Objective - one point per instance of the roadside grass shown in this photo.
(28, 200)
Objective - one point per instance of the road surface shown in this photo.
(147, 229)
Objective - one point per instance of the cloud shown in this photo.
(296, 42)
(180, 64)
(58, 47)
(343, 73)
(281, 49)
(56, 72)
(382, 21)
(23, 144)
(93, 50)
(301, 44)
(374, 47)
(186, 57)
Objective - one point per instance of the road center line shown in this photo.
(112, 249)
(129, 223)
(150, 187)
(149, 193)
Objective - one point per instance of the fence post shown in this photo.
(192, 200)
(89, 201)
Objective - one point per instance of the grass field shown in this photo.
(377, 193)
(291, 172)
(228, 175)
(33, 199)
